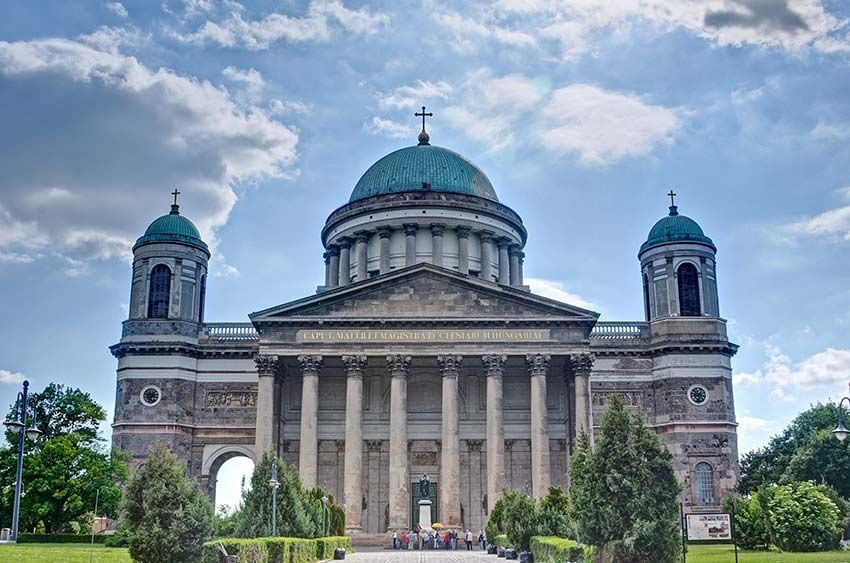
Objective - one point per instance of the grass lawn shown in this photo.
(61, 553)
(726, 554)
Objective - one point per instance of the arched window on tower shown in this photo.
(704, 481)
(202, 298)
(688, 279)
(646, 298)
(160, 292)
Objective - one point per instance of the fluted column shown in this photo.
(384, 233)
(333, 251)
(538, 366)
(504, 266)
(308, 459)
(437, 243)
(462, 249)
(486, 238)
(344, 261)
(362, 240)
(581, 365)
(494, 368)
(353, 486)
(327, 258)
(450, 454)
(514, 251)
(266, 438)
(410, 243)
(398, 367)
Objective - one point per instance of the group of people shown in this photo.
(434, 539)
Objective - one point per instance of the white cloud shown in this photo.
(557, 291)
(117, 8)
(471, 31)
(114, 39)
(389, 128)
(251, 80)
(322, 17)
(833, 224)
(602, 126)
(10, 378)
(414, 95)
(138, 131)
(283, 107)
(830, 132)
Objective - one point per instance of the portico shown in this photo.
(417, 391)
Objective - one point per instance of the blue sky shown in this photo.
(583, 114)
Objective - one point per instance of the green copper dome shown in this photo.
(423, 168)
(675, 228)
(173, 228)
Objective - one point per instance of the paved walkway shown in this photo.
(437, 556)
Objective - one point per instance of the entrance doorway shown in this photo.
(414, 505)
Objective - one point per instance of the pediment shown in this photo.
(420, 292)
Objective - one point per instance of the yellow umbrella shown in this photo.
(436, 525)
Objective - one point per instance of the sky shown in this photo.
(584, 114)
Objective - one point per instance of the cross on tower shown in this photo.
(672, 195)
(423, 115)
(175, 193)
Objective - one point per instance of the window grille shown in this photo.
(688, 291)
(160, 290)
(704, 484)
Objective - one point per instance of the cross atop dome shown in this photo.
(424, 138)
(175, 209)
(674, 210)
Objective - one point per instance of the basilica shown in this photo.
(422, 351)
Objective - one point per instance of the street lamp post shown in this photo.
(841, 431)
(17, 426)
(274, 484)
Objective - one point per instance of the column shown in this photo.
(521, 262)
(266, 438)
(437, 243)
(308, 460)
(362, 238)
(333, 251)
(486, 238)
(327, 258)
(450, 454)
(504, 267)
(410, 243)
(514, 251)
(494, 367)
(538, 366)
(353, 483)
(344, 261)
(581, 365)
(462, 249)
(398, 367)
(384, 233)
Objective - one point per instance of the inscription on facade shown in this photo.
(417, 335)
(231, 399)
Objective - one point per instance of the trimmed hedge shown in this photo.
(60, 538)
(501, 540)
(551, 549)
(276, 550)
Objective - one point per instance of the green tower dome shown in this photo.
(675, 228)
(423, 168)
(173, 228)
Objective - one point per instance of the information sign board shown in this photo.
(709, 527)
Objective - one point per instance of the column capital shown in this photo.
(581, 364)
(385, 232)
(310, 365)
(362, 236)
(462, 232)
(327, 257)
(333, 250)
(502, 242)
(494, 364)
(514, 250)
(354, 365)
(344, 242)
(538, 364)
(268, 366)
(437, 229)
(398, 365)
(410, 229)
(485, 236)
(450, 365)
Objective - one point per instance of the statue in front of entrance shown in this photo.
(425, 487)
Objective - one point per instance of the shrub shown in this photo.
(750, 529)
(500, 540)
(276, 549)
(521, 519)
(496, 522)
(803, 518)
(553, 515)
(549, 549)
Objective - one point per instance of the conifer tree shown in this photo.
(624, 493)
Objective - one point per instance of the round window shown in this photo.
(698, 395)
(151, 395)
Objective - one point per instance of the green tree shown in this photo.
(299, 515)
(803, 518)
(805, 451)
(750, 526)
(67, 468)
(165, 515)
(624, 493)
(554, 513)
(522, 520)
(496, 521)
